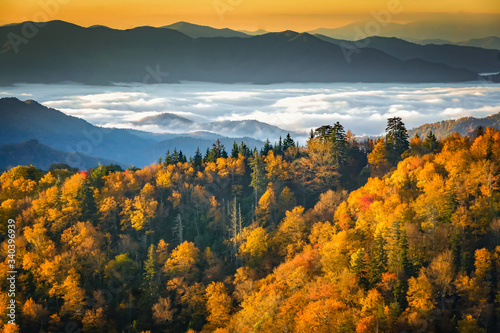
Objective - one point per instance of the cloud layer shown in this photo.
(362, 108)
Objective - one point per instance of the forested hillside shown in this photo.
(396, 235)
(463, 126)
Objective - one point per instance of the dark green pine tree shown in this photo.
(259, 178)
(235, 151)
(404, 249)
(359, 266)
(175, 156)
(431, 142)
(198, 159)
(378, 260)
(168, 159)
(456, 251)
(223, 153)
(479, 131)
(267, 148)
(150, 279)
(278, 147)
(244, 150)
(182, 157)
(323, 133)
(396, 139)
(339, 145)
(207, 157)
(288, 142)
(86, 196)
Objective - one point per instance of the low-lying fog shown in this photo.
(362, 108)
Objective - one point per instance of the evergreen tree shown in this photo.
(288, 142)
(244, 150)
(86, 197)
(149, 286)
(358, 266)
(278, 147)
(267, 147)
(168, 159)
(430, 142)
(182, 157)
(175, 156)
(378, 262)
(323, 133)
(198, 159)
(259, 178)
(235, 150)
(207, 157)
(223, 153)
(479, 131)
(396, 139)
(404, 254)
(338, 142)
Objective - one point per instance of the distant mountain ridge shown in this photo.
(197, 31)
(29, 120)
(248, 128)
(472, 58)
(41, 156)
(455, 30)
(101, 55)
(463, 126)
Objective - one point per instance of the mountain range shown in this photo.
(475, 59)
(41, 156)
(453, 30)
(491, 42)
(168, 122)
(463, 126)
(23, 121)
(99, 55)
(197, 31)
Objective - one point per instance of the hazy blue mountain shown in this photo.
(435, 41)
(464, 126)
(472, 58)
(334, 41)
(254, 33)
(165, 120)
(241, 128)
(41, 156)
(66, 52)
(491, 42)
(248, 128)
(29, 120)
(22, 121)
(454, 30)
(196, 31)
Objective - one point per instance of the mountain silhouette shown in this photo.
(29, 120)
(196, 31)
(66, 52)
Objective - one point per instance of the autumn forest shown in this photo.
(342, 234)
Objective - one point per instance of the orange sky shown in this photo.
(271, 15)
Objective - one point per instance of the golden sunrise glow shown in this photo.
(298, 15)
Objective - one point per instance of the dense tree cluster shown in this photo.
(336, 236)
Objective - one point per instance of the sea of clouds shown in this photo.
(362, 108)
